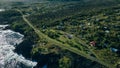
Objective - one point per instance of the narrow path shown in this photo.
(64, 46)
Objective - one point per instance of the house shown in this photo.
(106, 28)
(107, 31)
(92, 43)
(89, 24)
(69, 36)
(113, 49)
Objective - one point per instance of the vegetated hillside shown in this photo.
(99, 1)
(90, 1)
(68, 23)
(93, 2)
(89, 23)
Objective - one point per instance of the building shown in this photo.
(92, 43)
(114, 49)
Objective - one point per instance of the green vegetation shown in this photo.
(86, 26)
(64, 62)
(65, 30)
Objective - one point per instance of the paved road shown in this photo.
(64, 46)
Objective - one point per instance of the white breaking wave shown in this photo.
(2, 10)
(8, 58)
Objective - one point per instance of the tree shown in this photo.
(65, 62)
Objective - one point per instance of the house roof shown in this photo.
(113, 49)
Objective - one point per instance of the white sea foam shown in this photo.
(8, 58)
(2, 10)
